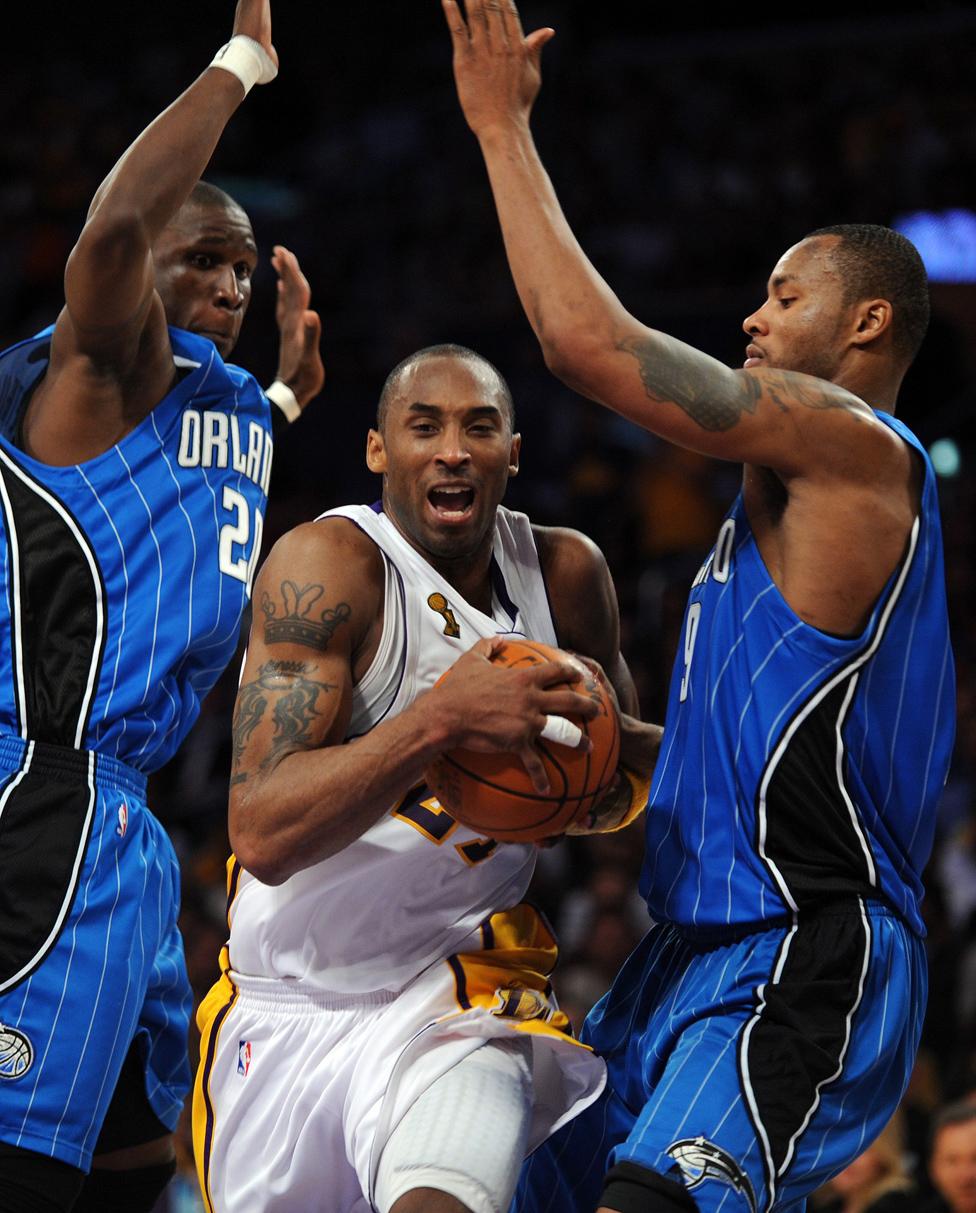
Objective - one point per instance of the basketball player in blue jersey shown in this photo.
(384, 1034)
(766, 1027)
(134, 466)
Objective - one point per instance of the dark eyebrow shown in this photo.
(435, 410)
(219, 240)
(781, 280)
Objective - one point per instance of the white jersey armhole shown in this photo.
(373, 695)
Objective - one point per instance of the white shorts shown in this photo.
(299, 1090)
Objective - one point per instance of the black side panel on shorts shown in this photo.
(798, 1040)
(44, 826)
(59, 607)
(810, 835)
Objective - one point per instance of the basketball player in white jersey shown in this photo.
(384, 1035)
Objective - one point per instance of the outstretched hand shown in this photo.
(496, 68)
(253, 18)
(299, 329)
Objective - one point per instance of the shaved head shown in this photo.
(448, 350)
(206, 194)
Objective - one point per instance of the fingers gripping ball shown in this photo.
(493, 794)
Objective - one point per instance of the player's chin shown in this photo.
(454, 538)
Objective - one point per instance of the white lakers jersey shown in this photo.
(413, 887)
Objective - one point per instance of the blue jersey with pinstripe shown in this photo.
(122, 584)
(135, 565)
(796, 765)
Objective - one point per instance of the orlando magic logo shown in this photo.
(701, 1160)
(16, 1053)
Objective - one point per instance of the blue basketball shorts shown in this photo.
(749, 1070)
(90, 955)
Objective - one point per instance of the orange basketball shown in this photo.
(492, 793)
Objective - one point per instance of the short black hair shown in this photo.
(205, 193)
(445, 350)
(879, 263)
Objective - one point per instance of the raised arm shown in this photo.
(299, 794)
(109, 277)
(589, 339)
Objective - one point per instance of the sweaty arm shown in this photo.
(588, 338)
(299, 793)
(113, 326)
(587, 619)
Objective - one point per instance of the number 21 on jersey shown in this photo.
(234, 536)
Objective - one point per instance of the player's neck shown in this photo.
(469, 575)
(880, 391)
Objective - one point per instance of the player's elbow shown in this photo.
(258, 851)
(113, 234)
(573, 355)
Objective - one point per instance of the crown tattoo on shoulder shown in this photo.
(300, 621)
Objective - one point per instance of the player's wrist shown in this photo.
(246, 59)
(281, 395)
(502, 130)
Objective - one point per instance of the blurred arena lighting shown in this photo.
(945, 457)
(946, 241)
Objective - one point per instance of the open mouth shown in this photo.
(451, 503)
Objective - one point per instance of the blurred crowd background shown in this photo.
(687, 160)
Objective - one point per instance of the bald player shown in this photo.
(384, 1035)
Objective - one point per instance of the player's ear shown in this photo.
(375, 452)
(871, 319)
(513, 458)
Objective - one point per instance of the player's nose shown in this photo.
(453, 450)
(228, 289)
(755, 323)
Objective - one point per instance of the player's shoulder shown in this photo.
(577, 579)
(326, 537)
(330, 548)
(568, 554)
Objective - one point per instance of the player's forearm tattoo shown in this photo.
(295, 710)
(674, 377)
(714, 403)
(297, 619)
(250, 706)
(296, 697)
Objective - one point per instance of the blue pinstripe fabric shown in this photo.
(717, 1051)
(754, 668)
(671, 1030)
(168, 521)
(157, 519)
(117, 971)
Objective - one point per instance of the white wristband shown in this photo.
(280, 393)
(246, 59)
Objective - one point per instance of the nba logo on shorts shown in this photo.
(243, 1057)
(123, 825)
